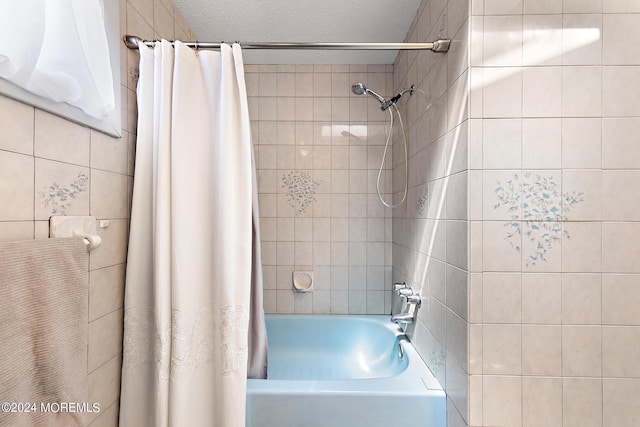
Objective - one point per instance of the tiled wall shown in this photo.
(49, 166)
(430, 232)
(554, 250)
(318, 148)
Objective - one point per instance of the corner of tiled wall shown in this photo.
(40, 151)
(431, 231)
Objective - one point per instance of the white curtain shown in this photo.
(189, 268)
(58, 49)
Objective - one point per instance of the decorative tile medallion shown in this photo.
(436, 361)
(423, 201)
(543, 206)
(58, 198)
(301, 190)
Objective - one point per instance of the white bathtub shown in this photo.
(335, 371)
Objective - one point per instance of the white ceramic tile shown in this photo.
(286, 131)
(581, 143)
(541, 402)
(502, 400)
(541, 350)
(582, 39)
(620, 351)
(285, 301)
(304, 109)
(620, 297)
(108, 195)
(502, 144)
(16, 122)
(267, 108)
(620, 89)
(621, 6)
(498, 7)
(620, 247)
(16, 186)
(542, 6)
(582, 247)
(286, 84)
(541, 143)
(582, 6)
(105, 339)
(502, 349)
(62, 189)
(582, 402)
(322, 302)
(542, 91)
(502, 196)
(303, 303)
(502, 92)
(503, 40)
(621, 39)
(104, 383)
(498, 253)
(585, 186)
(108, 416)
(502, 298)
(321, 109)
(541, 298)
(268, 84)
(11, 231)
(581, 351)
(542, 39)
(60, 139)
(618, 408)
(286, 109)
(304, 84)
(106, 293)
(163, 21)
(581, 299)
(619, 200)
(582, 90)
(113, 249)
(620, 149)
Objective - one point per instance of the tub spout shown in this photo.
(402, 318)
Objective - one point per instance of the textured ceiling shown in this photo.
(344, 21)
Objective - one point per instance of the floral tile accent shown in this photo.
(423, 201)
(436, 361)
(543, 206)
(58, 198)
(301, 190)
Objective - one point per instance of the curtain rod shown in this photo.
(441, 46)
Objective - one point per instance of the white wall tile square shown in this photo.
(620, 90)
(502, 92)
(542, 91)
(581, 39)
(17, 123)
(582, 90)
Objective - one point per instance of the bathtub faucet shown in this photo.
(411, 302)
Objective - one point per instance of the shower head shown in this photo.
(361, 89)
(358, 89)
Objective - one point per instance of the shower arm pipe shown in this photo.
(441, 46)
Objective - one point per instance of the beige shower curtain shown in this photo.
(193, 247)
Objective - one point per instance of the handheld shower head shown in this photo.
(361, 89)
(358, 88)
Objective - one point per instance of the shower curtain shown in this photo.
(193, 268)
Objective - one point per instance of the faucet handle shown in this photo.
(414, 299)
(404, 292)
(398, 286)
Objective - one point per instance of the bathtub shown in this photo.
(335, 371)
